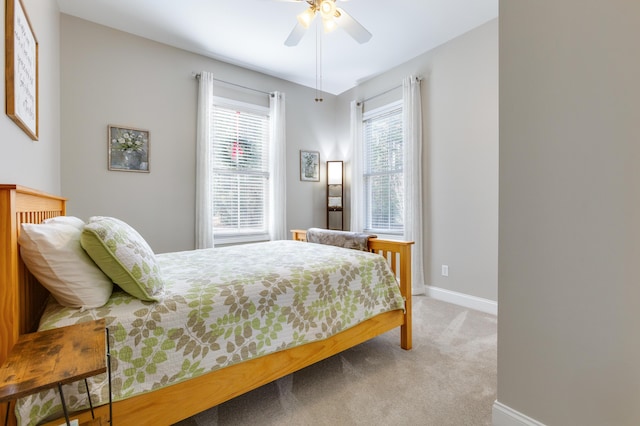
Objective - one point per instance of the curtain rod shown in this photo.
(385, 92)
(197, 76)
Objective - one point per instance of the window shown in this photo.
(383, 170)
(240, 171)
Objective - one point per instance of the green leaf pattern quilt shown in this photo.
(220, 307)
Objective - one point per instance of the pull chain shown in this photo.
(318, 64)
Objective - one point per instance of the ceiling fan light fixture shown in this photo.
(306, 17)
(332, 17)
(327, 9)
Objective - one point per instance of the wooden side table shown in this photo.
(50, 358)
(299, 234)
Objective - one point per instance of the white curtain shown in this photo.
(413, 218)
(204, 213)
(277, 174)
(357, 168)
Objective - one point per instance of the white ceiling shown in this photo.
(251, 33)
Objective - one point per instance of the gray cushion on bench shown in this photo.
(346, 239)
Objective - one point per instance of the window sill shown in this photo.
(385, 235)
(240, 239)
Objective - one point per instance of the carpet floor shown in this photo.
(448, 378)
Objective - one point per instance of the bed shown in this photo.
(23, 301)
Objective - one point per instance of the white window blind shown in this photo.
(240, 170)
(383, 170)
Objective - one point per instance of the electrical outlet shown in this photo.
(445, 270)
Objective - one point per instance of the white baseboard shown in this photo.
(507, 416)
(472, 302)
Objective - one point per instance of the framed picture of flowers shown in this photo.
(128, 149)
(309, 166)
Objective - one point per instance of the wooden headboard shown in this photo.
(22, 298)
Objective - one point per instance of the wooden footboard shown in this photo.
(22, 300)
(398, 254)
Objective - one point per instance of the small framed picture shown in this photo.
(128, 149)
(310, 166)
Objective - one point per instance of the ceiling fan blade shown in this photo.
(353, 27)
(296, 35)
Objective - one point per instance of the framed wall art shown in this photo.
(128, 149)
(310, 166)
(21, 69)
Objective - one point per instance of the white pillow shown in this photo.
(53, 254)
(70, 220)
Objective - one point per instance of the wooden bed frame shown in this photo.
(22, 301)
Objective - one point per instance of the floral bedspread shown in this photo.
(220, 307)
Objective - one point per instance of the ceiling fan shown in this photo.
(332, 17)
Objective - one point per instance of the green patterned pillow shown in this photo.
(124, 256)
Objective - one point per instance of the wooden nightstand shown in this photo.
(51, 358)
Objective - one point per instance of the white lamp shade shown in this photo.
(334, 172)
(329, 25)
(306, 17)
(327, 9)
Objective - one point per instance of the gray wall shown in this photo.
(111, 77)
(23, 161)
(569, 270)
(460, 156)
